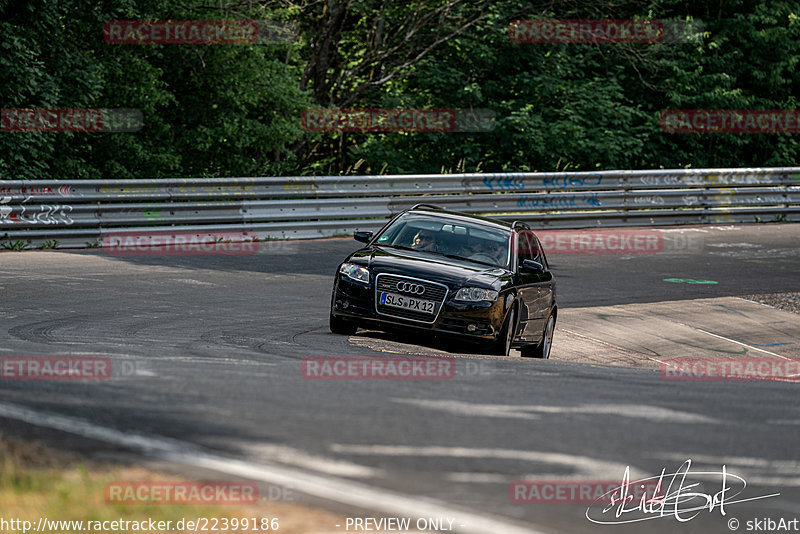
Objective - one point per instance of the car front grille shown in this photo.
(387, 283)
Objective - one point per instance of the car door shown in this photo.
(547, 283)
(534, 289)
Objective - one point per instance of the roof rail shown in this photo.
(434, 206)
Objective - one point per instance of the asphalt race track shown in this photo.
(207, 352)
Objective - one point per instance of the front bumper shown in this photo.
(474, 320)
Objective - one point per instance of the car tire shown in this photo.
(542, 350)
(502, 345)
(342, 326)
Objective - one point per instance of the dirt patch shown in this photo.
(783, 301)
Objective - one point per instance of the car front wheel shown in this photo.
(502, 345)
(542, 350)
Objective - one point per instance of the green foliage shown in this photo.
(14, 245)
(234, 110)
(596, 106)
(208, 110)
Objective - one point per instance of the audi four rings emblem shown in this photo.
(408, 287)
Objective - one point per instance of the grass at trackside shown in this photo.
(38, 481)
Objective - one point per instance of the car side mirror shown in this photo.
(364, 237)
(531, 266)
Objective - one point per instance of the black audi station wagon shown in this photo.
(451, 274)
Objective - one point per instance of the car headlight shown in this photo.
(355, 272)
(475, 294)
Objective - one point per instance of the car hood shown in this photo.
(454, 273)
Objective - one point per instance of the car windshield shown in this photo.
(448, 237)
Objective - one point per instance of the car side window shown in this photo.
(523, 247)
(530, 248)
(540, 257)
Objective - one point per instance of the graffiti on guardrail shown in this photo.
(129, 190)
(562, 201)
(549, 181)
(767, 199)
(730, 198)
(304, 186)
(30, 191)
(218, 189)
(221, 189)
(724, 197)
(153, 213)
(647, 200)
(129, 202)
(566, 180)
(55, 214)
(680, 180)
(503, 183)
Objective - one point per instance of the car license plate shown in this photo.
(407, 303)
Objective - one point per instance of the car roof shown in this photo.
(466, 217)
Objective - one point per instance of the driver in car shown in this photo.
(424, 240)
(488, 248)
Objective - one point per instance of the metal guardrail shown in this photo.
(80, 213)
